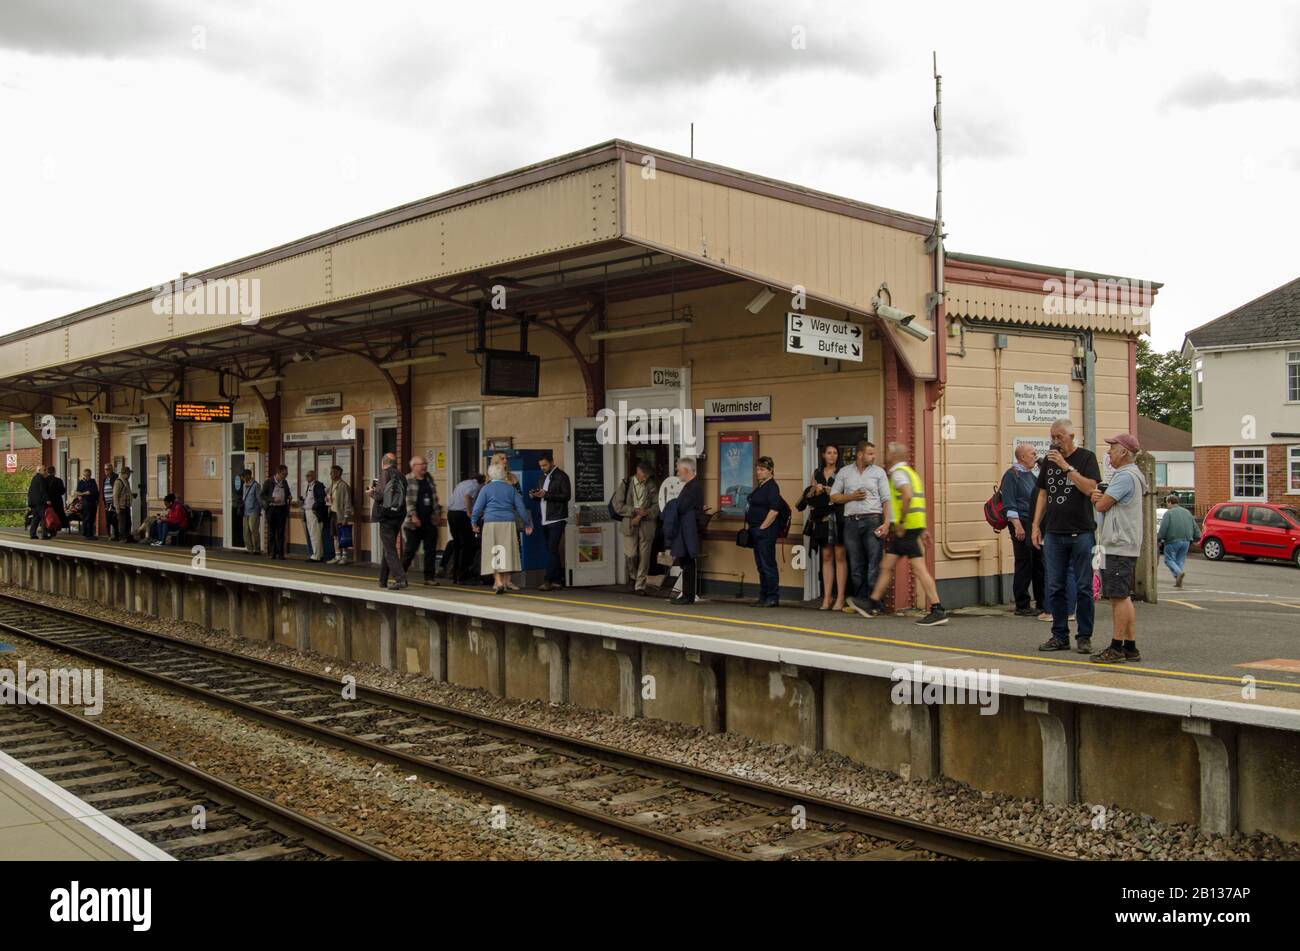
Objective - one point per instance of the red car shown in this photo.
(1252, 530)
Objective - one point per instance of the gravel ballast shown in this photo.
(1066, 829)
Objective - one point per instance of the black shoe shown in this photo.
(400, 585)
(936, 617)
(1084, 645)
(1026, 612)
(770, 604)
(1132, 653)
(865, 606)
(1054, 644)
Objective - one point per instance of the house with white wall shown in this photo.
(1246, 401)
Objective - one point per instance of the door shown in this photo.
(383, 440)
(591, 541)
(1228, 527)
(1265, 533)
(842, 432)
(140, 478)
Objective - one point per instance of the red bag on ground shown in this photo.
(51, 519)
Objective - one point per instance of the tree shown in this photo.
(1164, 386)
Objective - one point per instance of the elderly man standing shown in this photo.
(863, 490)
(123, 495)
(421, 526)
(638, 502)
(1119, 538)
(1064, 530)
(389, 508)
(1019, 486)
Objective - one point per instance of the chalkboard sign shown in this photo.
(589, 467)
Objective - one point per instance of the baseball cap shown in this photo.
(1128, 441)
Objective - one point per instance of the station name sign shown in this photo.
(202, 412)
(823, 337)
(733, 409)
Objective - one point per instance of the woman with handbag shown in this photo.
(496, 508)
(823, 526)
(761, 518)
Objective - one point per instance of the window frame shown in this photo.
(1198, 382)
(1292, 376)
(1261, 461)
(1293, 470)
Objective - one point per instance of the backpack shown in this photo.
(783, 518)
(994, 511)
(394, 495)
(620, 492)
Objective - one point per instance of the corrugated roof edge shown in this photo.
(1236, 310)
(1045, 269)
(462, 194)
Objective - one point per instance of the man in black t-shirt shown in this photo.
(1064, 527)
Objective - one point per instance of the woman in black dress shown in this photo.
(823, 526)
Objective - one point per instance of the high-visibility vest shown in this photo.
(914, 517)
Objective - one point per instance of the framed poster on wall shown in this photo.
(737, 453)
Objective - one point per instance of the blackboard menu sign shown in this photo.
(589, 467)
(509, 373)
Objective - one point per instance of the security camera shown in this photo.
(901, 319)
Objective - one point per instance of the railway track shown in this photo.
(186, 812)
(681, 811)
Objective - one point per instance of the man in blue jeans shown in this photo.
(1178, 530)
(1064, 529)
(863, 490)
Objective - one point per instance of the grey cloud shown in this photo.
(29, 281)
(910, 145)
(91, 27)
(1206, 89)
(692, 42)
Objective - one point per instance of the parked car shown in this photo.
(1252, 530)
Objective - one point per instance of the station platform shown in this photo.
(1210, 637)
(41, 821)
(1206, 729)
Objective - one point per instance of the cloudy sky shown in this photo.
(1149, 139)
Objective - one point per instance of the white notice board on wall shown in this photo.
(1042, 402)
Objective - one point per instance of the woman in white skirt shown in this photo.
(493, 518)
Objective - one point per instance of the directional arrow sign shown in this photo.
(823, 337)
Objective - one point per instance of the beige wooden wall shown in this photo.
(969, 465)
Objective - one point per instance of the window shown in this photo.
(1293, 470)
(1162, 473)
(1293, 376)
(1198, 384)
(1228, 513)
(1267, 518)
(1249, 479)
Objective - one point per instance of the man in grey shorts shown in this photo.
(1119, 540)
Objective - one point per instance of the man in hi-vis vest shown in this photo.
(909, 535)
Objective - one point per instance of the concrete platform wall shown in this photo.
(1175, 768)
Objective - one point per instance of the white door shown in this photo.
(591, 539)
(139, 463)
(842, 432)
(383, 438)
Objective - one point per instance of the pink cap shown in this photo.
(1128, 441)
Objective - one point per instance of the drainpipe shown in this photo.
(1092, 441)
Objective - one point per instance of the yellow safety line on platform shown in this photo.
(895, 642)
(1186, 604)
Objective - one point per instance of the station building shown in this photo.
(632, 275)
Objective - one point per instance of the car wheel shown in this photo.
(1295, 557)
(1212, 549)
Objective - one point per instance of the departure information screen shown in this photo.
(203, 412)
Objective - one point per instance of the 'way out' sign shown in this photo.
(823, 337)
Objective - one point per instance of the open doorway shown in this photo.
(843, 432)
(139, 478)
(383, 439)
